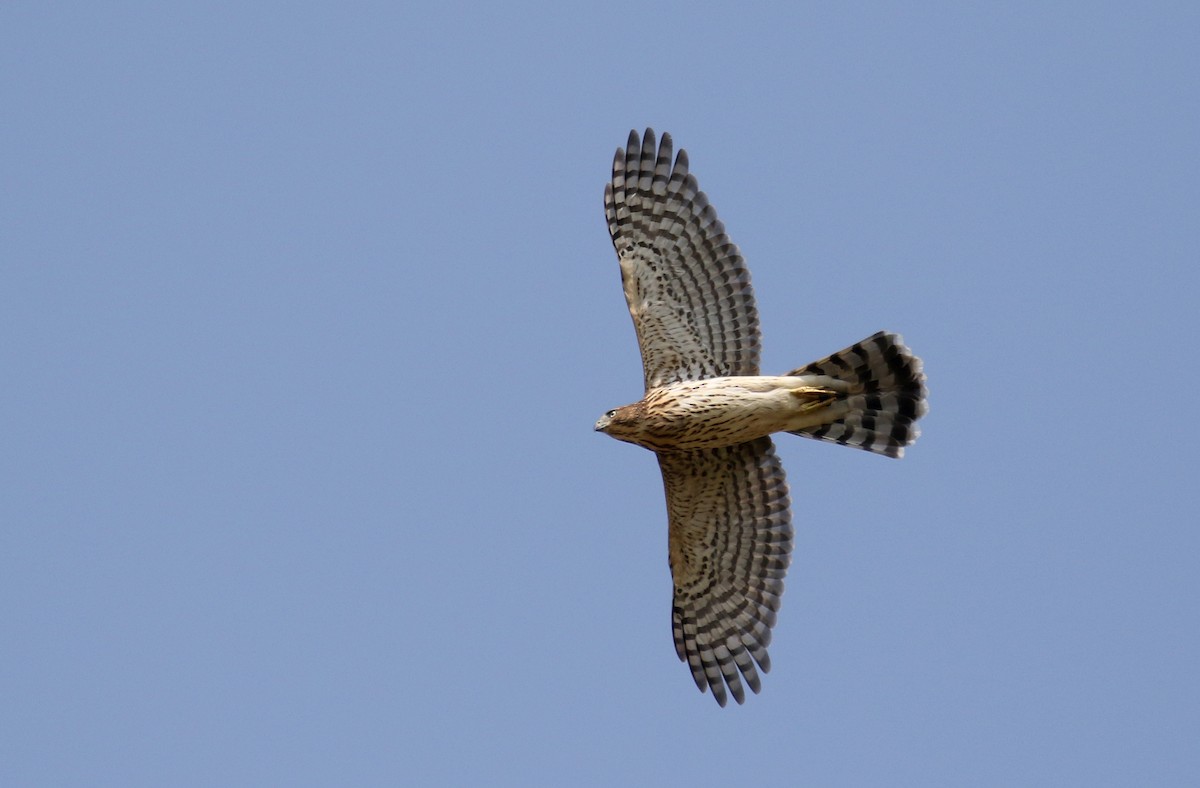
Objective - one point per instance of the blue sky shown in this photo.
(308, 309)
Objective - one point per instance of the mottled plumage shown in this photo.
(708, 413)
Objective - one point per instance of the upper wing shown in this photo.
(730, 545)
(686, 284)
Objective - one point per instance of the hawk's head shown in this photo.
(624, 423)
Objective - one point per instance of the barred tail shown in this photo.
(885, 398)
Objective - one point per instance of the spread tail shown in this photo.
(882, 395)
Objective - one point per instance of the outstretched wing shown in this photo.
(686, 284)
(730, 544)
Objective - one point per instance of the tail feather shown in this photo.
(885, 396)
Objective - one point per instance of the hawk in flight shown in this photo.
(708, 413)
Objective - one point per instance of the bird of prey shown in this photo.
(708, 413)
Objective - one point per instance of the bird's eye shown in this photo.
(610, 414)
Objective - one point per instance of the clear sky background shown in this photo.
(307, 310)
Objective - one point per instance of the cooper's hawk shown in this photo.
(708, 413)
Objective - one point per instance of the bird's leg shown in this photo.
(813, 397)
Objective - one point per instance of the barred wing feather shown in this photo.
(686, 284)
